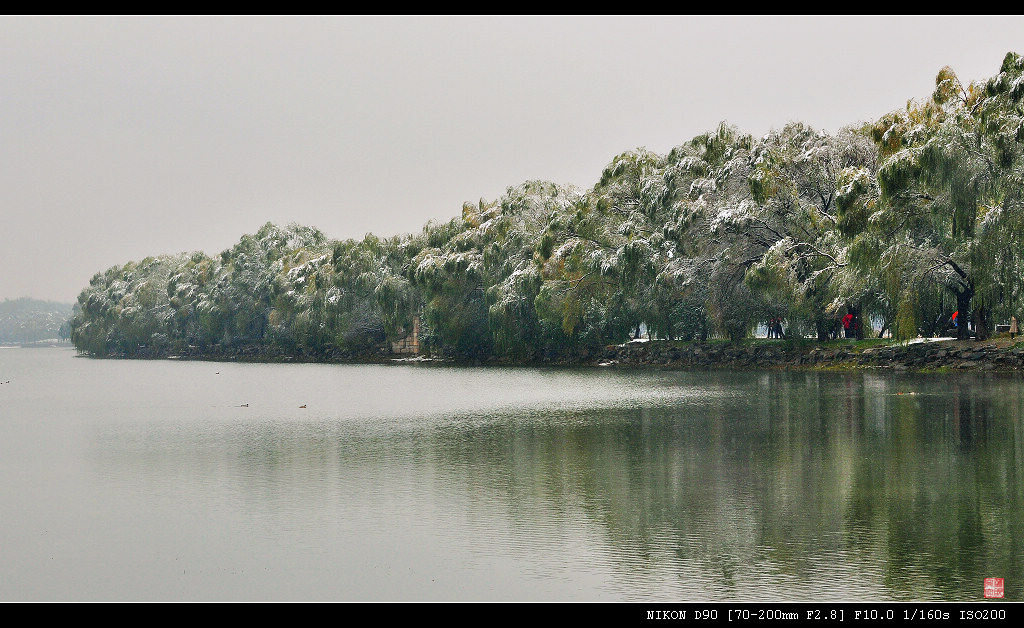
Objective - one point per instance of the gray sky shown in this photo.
(125, 137)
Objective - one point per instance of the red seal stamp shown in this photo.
(993, 587)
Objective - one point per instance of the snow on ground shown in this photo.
(940, 339)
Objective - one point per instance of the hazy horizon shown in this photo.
(126, 137)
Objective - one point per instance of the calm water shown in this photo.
(146, 480)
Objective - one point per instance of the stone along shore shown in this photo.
(997, 355)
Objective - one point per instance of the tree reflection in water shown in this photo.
(782, 485)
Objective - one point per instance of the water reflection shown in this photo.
(773, 485)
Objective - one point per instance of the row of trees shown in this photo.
(901, 222)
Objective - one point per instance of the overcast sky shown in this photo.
(125, 137)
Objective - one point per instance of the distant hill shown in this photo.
(29, 320)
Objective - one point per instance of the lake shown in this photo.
(148, 480)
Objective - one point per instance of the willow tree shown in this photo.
(126, 309)
(946, 205)
(603, 256)
(789, 221)
(707, 186)
(479, 276)
(398, 301)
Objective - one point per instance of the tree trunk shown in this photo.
(981, 326)
(822, 327)
(963, 307)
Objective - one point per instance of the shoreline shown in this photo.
(927, 356)
(923, 356)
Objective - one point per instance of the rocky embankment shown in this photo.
(918, 356)
(997, 355)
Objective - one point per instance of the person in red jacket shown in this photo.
(847, 320)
